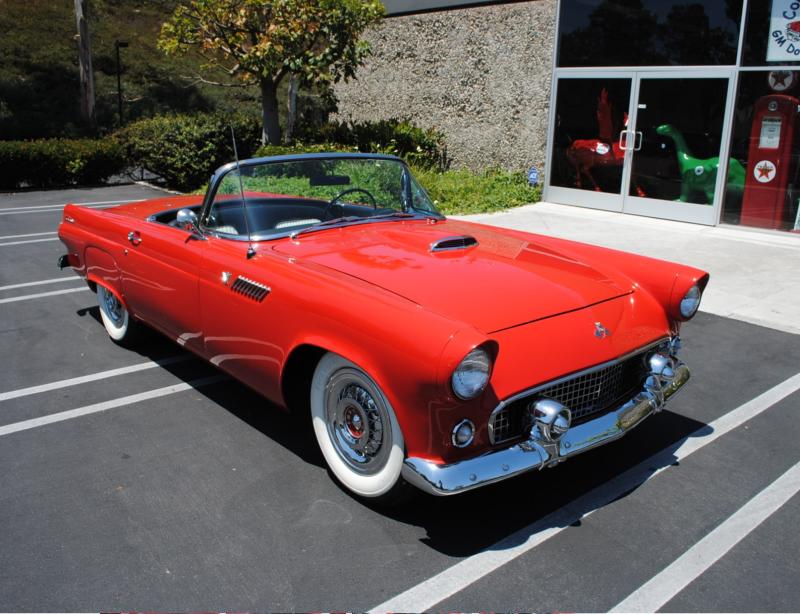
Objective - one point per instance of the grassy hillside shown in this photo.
(39, 92)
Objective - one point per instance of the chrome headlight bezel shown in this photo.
(471, 376)
(690, 302)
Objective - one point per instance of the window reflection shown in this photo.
(648, 32)
(765, 141)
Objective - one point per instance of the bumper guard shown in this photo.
(540, 451)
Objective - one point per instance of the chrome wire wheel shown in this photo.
(112, 307)
(356, 428)
(357, 422)
(116, 320)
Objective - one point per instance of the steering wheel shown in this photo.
(335, 199)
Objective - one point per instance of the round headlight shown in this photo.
(690, 302)
(472, 374)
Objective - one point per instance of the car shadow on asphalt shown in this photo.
(289, 430)
(468, 523)
(500, 516)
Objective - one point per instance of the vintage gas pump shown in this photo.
(771, 167)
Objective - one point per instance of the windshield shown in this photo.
(285, 197)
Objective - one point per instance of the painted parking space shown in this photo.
(198, 494)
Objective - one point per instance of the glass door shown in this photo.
(647, 143)
(590, 139)
(680, 125)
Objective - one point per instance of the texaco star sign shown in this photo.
(764, 172)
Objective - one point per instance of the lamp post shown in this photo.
(118, 45)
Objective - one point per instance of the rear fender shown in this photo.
(101, 269)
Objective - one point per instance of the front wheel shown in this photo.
(116, 319)
(357, 431)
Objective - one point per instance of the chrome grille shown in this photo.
(589, 393)
(586, 394)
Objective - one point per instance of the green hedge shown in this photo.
(57, 162)
(418, 146)
(460, 192)
(186, 149)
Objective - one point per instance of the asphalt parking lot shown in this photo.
(140, 480)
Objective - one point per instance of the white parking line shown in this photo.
(30, 234)
(92, 377)
(27, 284)
(56, 205)
(53, 208)
(28, 241)
(689, 566)
(33, 423)
(425, 595)
(28, 297)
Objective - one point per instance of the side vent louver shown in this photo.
(452, 243)
(250, 289)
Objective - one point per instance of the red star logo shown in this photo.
(779, 77)
(765, 170)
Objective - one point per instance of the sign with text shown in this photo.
(784, 31)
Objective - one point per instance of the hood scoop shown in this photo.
(448, 244)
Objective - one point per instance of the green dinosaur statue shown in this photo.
(701, 175)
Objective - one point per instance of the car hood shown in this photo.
(501, 282)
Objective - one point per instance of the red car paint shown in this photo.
(376, 295)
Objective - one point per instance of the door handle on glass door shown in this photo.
(637, 138)
(623, 140)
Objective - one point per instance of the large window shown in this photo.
(772, 35)
(648, 32)
(766, 146)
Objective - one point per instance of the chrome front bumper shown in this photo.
(537, 453)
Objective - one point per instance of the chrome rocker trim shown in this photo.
(541, 449)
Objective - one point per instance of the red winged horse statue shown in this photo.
(585, 154)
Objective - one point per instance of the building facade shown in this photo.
(666, 108)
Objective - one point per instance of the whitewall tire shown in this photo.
(356, 429)
(115, 317)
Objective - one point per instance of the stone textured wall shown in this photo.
(480, 75)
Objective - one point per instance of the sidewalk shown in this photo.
(755, 276)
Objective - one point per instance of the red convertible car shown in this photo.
(440, 353)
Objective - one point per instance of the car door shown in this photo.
(160, 267)
(239, 317)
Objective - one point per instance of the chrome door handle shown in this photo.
(637, 136)
(134, 237)
(623, 140)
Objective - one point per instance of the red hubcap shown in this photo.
(354, 422)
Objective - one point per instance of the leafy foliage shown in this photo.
(56, 162)
(185, 149)
(459, 192)
(39, 92)
(419, 146)
(262, 41)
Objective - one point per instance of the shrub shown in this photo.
(299, 148)
(419, 146)
(461, 192)
(185, 149)
(56, 162)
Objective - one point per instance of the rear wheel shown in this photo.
(116, 319)
(357, 431)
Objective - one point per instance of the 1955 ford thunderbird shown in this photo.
(440, 353)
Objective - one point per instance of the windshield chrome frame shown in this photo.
(222, 171)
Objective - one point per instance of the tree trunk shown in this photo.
(271, 129)
(291, 108)
(85, 62)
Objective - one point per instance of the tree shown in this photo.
(260, 42)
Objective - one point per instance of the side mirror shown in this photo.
(187, 219)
